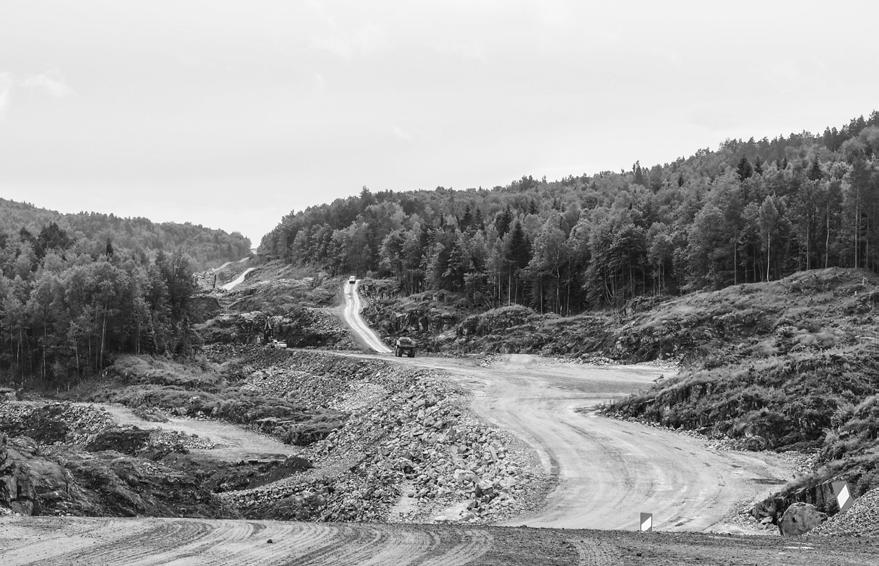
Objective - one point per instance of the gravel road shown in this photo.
(238, 280)
(112, 541)
(605, 471)
(351, 316)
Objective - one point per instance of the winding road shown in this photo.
(238, 280)
(605, 471)
(351, 315)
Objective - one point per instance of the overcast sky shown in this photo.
(232, 114)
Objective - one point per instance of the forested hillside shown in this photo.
(77, 288)
(751, 211)
(206, 247)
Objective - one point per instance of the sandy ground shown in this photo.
(234, 443)
(112, 541)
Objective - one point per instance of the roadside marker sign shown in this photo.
(646, 522)
(843, 494)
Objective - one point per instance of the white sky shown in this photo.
(232, 114)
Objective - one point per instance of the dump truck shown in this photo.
(404, 346)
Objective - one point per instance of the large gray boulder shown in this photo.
(799, 519)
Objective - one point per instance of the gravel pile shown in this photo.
(67, 422)
(861, 519)
(171, 439)
(410, 437)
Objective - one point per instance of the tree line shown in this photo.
(68, 303)
(206, 247)
(750, 211)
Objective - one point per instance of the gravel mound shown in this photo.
(862, 518)
(51, 422)
(410, 438)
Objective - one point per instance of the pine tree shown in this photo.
(744, 169)
(638, 174)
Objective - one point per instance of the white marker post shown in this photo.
(843, 494)
(646, 522)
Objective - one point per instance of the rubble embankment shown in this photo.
(410, 449)
(66, 459)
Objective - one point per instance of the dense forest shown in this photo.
(753, 210)
(205, 247)
(76, 291)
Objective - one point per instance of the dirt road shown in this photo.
(142, 542)
(351, 316)
(234, 443)
(238, 280)
(607, 471)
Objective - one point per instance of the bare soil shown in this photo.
(69, 540)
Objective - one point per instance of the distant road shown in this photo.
(353, 319)
(238, 280)
(605, 471)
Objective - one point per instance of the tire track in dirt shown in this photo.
(349, 546)
(73, 538)
(593, 553)
(43, 540)
(160, 536)
(477, 542)
(225, 534)
(288, 540)
(408, 549)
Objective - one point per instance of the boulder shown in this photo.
(799, 519)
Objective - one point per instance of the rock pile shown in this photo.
(53, 422)
(299, 327)
(174, 439)
(409, 435)
(861, 519)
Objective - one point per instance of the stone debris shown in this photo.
(89, 427)
(408, 429)
(861, 519)
(171, 439)
(53, 422)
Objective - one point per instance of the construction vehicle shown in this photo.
(405, 346)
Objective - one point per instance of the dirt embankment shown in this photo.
(386, 442)
(786, 365)
(409, 450)
(274, 301)
(63, 459)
